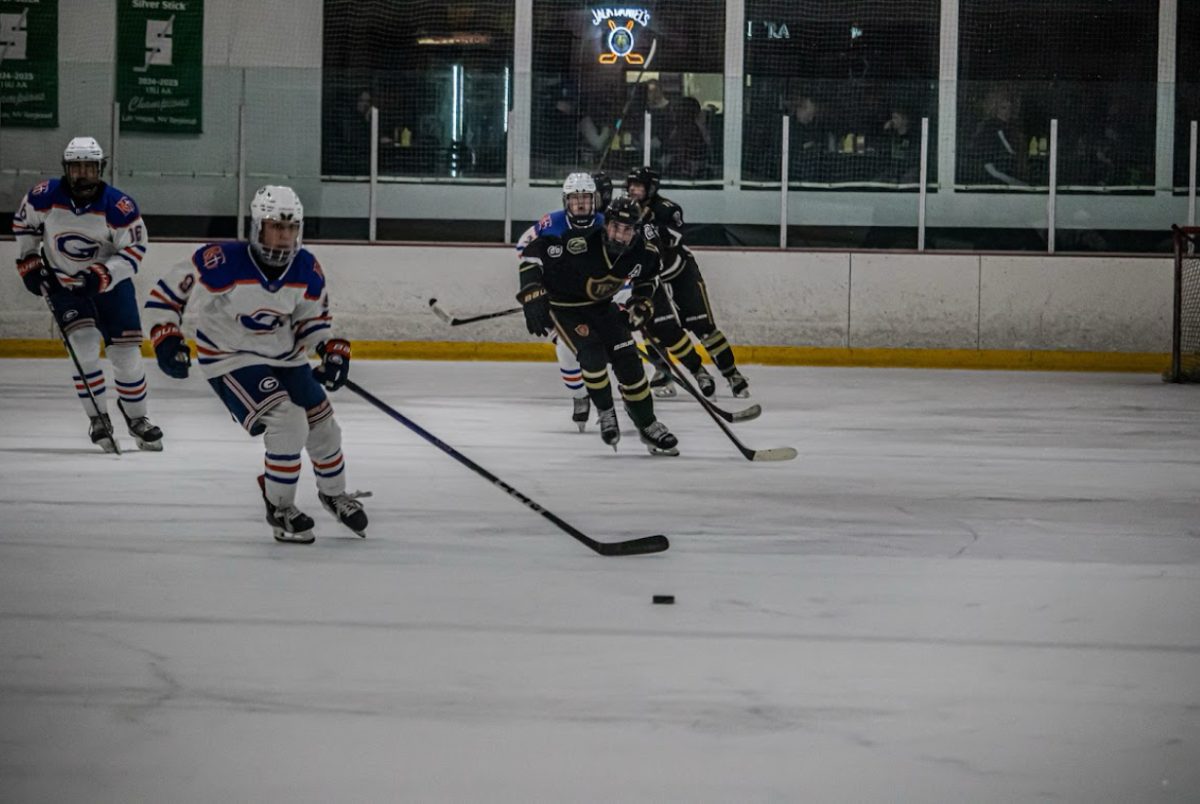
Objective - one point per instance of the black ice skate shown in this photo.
(147, 435)
(706, 383)
(348, 510)
(610, 431)
(289, 523)
(738, 386)
(662, 385)
(583, 408)
(100, 430)
(658, 439)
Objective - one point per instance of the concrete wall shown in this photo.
(765, 298)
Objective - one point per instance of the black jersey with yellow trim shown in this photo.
(577, 270)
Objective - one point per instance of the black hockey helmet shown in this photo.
(622, 216)
(647, 177)
(604, 188)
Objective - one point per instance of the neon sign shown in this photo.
(620, 40)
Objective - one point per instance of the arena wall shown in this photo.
(840, 308)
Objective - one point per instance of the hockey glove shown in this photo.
(640, 310)
(335, 363)
(95, 280)
(171, 350)
(536, 305)
(36, 274)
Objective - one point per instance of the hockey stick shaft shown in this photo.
(87, 386)
(646, 544)
(775, 454)
(454, 321)
(743, 415)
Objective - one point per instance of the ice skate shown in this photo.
(662, 385)
(146, 434)
(289, 524)
(610, 431)
(705, 382)
(583, 409)
(100, 430)
(348, 510)
(658, 439)
(738, 386)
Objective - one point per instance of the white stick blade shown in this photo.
(776, 454)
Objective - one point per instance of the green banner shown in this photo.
(29, 63)
(160, 65)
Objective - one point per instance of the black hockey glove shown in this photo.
(95, 280)
(335, 363)
(536, 305)
(640, 310)
(172, 351)
(36, 274)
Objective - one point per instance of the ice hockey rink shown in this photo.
(970, 586)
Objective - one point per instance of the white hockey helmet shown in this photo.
(83, 149)
(275, 202)
(580, 184)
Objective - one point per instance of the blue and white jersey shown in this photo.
(243, 318)
(109, 231)
(553, 224)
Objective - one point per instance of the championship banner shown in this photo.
(160, 65)
(29, 63)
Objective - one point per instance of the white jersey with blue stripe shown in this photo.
(109, 230)
(243, 318)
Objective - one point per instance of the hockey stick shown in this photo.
(632, 547)
(732, 416)
(774, 454)
(112, 436)
(455, 321)
(625, 109)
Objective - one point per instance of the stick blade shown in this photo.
(776, 454)
(634, 547)
(439, 312)
(749, 414)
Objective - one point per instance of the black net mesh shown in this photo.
(1090, 64)
(1187, 86)
(598, 68)
(440, 73)
(1185, 359)
(854, 77)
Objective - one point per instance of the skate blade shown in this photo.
(300, 537)
(148, 446)
(582, 426)
(109, 445)
(665, 393)
(673, 452)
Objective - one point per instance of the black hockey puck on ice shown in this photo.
(668, 599)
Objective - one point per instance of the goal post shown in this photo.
(1185, 328)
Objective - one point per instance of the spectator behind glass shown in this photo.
(809, 139)
(902, 147)
(659, 106)
(687, 148)
(595, 129)
(995, 155)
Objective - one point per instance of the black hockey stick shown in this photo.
(774, 454)
(112, 436)
(732, 416)
(632, 547)
(455, 321)
(625, 109)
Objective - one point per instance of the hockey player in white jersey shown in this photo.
(260, 307)
(580, 211)
(80, 243)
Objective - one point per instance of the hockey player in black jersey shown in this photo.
(681, 303)
(567, 284)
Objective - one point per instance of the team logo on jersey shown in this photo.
(40, 188)
(268, 384)
(678, 218)
(582, 330)
(576, 245)
(554, 252)
(603, 288)
(649, 232)
(637, 271)
(76, 246)
(262, 321)
(212, 257)
(70, 315)
(126, 205)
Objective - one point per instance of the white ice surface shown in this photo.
(970, 587)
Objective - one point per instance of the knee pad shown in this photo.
(284, 428)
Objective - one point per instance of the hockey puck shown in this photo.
(667, 599)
